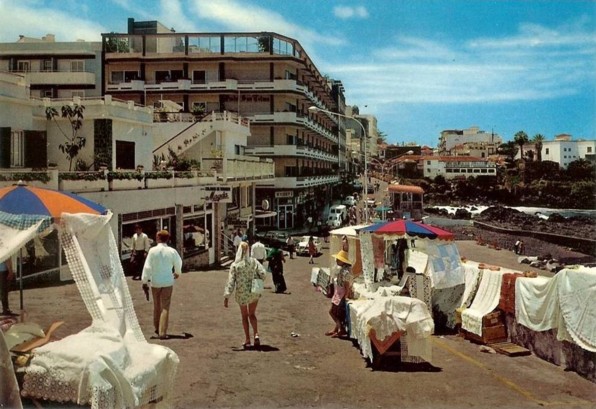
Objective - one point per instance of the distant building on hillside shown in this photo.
(564, 150)
(469, 142)
(452, 167)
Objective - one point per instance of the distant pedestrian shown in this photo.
(516, 247)
(290, 246)
(140, 247)
(237, 240)
(6, 276)
(162, 266)
(276, 261)
(312, 250)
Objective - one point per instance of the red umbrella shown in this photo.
(409, 228)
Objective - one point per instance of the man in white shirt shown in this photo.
(258, 251)
(140, 247)
(237, 240)
(162, 267)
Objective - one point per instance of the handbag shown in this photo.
(258, 284)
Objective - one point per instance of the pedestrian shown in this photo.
(140, 247)
(258, 251)
(521, 248)
(162, 266)
(291, 246)
(516, 247)
(243, 271)
(276, 261)
(341, 289)
(312, 250)
(6, 276)
(237, 240)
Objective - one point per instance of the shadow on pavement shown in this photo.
(261, 348)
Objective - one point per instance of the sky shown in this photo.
(419, 67)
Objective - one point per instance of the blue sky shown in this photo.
(419, 66)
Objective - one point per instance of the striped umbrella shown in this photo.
(408, 228)
(21, 199)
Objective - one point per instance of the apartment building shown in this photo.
(473, 140)
(55, 69)
(265, 77)
(191, 204)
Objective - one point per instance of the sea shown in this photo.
(542, 212)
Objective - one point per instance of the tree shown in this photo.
(538, 139)
(382, 137)
(521, 138)
(74, 142)
(508, 149)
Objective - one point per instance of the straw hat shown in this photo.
(343, 256)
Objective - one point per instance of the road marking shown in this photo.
(527, 394)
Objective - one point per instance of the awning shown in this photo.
(263, 215)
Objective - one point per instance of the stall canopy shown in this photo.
(408, 228)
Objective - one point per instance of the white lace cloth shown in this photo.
(565, 302)
(110, 364)
(388, 315)
(486, 300)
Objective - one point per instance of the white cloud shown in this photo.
(244, 16)
(346, 12)
(32, 20)
(537, 63)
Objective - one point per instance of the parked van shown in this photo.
(334, 220)
(341, 210)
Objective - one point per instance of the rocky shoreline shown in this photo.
(507, 218)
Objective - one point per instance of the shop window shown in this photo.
(196, 233)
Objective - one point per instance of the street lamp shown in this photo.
(365, 185)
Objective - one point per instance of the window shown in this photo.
(199, 77)
(46, 65)
(78, 93)
(77, 66)
(546, 151)
(589, 149)
(117, 77)
(23, 66)
(17, 147)
(239, 149)
(428, 162)
(47, 93)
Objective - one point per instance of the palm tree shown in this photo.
(538, 139)
(521, 138)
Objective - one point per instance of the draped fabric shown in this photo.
(17, 230)
(564, 302)
(109, 364)
(486, 300)
(388, 315)
(9, 388)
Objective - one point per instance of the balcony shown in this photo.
(302, 151)
(61, 78)
(296, 182)
(292, 118)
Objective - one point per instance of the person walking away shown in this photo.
(312, 250)
(242, 272)
(290, 244)
(6, 276)
(162, 266)
(237, 240)
(276, 261)
(140, 247)
(341, 289)
(259, 252)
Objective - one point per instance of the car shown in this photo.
(277, 238)
(339, 209)
(350, 201)
(302, 247)
(334, 220)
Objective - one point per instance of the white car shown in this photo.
(302, 247)
(350, 201)
(335, 220)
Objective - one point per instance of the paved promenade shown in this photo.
(308, 369)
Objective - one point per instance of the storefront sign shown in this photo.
(218, 194)
(284, 194)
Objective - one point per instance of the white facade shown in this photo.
(566, 151)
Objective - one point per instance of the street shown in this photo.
(298, 366)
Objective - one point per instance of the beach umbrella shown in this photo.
(408, 228)
(21, 199)
(27, 210)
